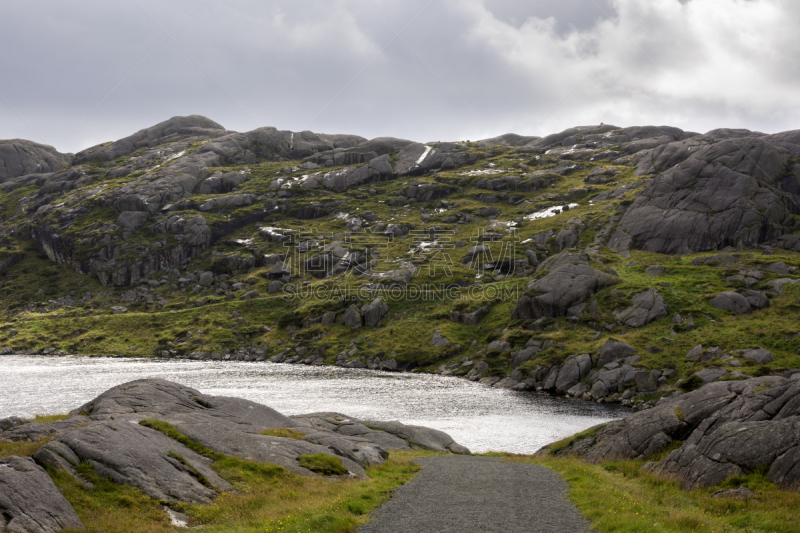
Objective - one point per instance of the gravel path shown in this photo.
(466, 494)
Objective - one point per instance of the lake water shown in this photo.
(479, 417)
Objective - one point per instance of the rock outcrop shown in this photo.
(728, 428)
(172, 130)
(569, 280)
(646, 307)
(118, 434)
(716, 190)
(30, 502)
(20, 158)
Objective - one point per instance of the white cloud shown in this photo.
(705, 63)
(459, 69)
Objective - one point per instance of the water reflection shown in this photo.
(478, 417)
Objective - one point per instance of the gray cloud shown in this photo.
(86, 71)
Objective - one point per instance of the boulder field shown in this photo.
(112, 433)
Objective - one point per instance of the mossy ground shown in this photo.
(189, 322)
(619, 497)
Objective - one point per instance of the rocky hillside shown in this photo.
(614, 264)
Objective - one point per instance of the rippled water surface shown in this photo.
(479, 417)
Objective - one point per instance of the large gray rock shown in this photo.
(205, 279)
(583, 142)
(426, 438)
(30, 502)
(646, 307)
(417, 158)
(374, 312)
(230, 201)
(611, 379)
(731, 301)
(499, 346)
(378, 169)
(759, 355)
(655, 270)
(38, 431)
(438, 340)
(756, 299)
(736, 448)
(707, 375)
(352, 317)
(614, 350)
(574, 369)
(727, 428)
(131, 219)
(645, 382)
(720, 189)
(221, 183)
(509, 139)
(570, 280)
(172, 130)
(135, 455)
(19, 157)
(476, 253)
(230, 426)
(470, 319)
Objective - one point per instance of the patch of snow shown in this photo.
(424, 155)
(483, 172)
(174, 156)
(549, 212)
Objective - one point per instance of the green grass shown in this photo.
(264, 497)
(283, 432)
(323, 464)
(20, 449)
(569, 441)
(620, 497)
(45, 419)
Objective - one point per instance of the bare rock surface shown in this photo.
(727, 428)
(113, 434)
(646, 307)
(19, 158)
(174, 129)
(135, 455)
(715, 190)
(569, 280)
(30, 502)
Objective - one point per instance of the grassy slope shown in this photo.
(619, 497)
(224, 322)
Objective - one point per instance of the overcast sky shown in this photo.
(80, 72)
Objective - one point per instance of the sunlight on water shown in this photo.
(479, 417)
